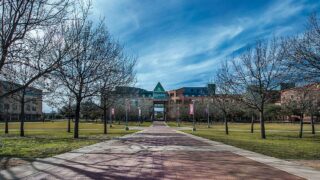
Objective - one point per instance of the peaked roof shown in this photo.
(159, 88)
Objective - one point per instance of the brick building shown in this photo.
(302, 99)
(160, 104)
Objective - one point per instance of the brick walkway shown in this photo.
(158, 152)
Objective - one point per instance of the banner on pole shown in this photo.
(139, 112)
(112, 111)
(191, 109)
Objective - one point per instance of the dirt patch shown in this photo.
(6, 162)
(310, 163)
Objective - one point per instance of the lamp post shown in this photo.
(208, 112)
(127, 128)
(111, 114)
(194, 122)
(178, 115)
(139, 115)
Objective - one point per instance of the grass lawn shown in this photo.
(282, 139)
(50, 138)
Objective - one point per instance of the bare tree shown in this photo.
(86, 63)
(224, 99)
(303, 51)
(19, 75)
(20, 22)
(42, 53)
(118, 72)
(57, 96)
(257, 73)
(302, 103)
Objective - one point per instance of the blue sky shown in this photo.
(182, 42)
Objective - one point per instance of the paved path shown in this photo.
(160, 152)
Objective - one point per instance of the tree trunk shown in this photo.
(77, 118)
(301, 126)
(312, 125)
(6, 126)
(226, 124)
(22, 115)
(263, 131)
(69, 125)
(252, 123)
(105, 120)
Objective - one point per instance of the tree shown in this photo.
(21, 22)
(303, 102)
(303, 51)
(67, 110)
(89, 110)
(225, 99)
(118, 71)
(18, 75)
(85, 63)
(257, 73)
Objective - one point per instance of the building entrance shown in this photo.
(159, 111)
(160, 99)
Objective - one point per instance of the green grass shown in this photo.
(50, 138)
(282, 139)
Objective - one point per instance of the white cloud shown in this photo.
(163, 57)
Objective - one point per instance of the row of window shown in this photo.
(6, 107)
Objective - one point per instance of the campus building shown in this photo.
(10, 106)
(159, 104)
(305, 99)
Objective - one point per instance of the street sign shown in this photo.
(191, 109)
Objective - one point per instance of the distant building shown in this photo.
(309, 92)
(10, 107)
(186, 94)
(158, 104)
(272, 96)
(308, 95)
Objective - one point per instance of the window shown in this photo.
(34, 102)
(6, 107)
(34, 108)
(28, 108)
(14, 107)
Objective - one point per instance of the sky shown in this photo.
(182, 42)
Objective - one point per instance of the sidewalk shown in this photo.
(159, 152)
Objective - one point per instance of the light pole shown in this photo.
(194, 122)
(178, 115)
(208, 111)
(110, 116)
(208, 114)
(139, 115)
(127, 128)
